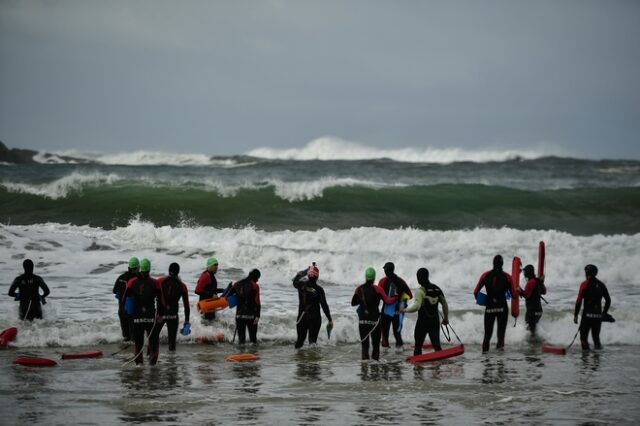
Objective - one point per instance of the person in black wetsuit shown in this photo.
(173, 289)
(533, 291)
(367, 298)
(426, 303)
(310, 298)
(591, 292)
(28, 286)
(118, 289)
(207, 286)
(497, 283)
(146, 297)
(392, 285)
(248, 306)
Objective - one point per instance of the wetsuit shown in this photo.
(173, 289)
(367, 297)
(426, 303)
(310, 298)
(497, 283)
(247, 308)
(533, 292)
(29, 286)
(147, 296)
(118, 289)
(592, 291)
(392, 286)
(207, 288)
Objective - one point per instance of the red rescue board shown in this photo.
(8, 335)
(516, 264)
(437, 355)
(80, 355)
(554, 350)
(34, 361)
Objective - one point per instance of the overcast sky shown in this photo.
(224, 77)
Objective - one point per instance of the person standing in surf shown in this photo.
(207, 286)
(392, 285)
(118, 289)
(248, 306)
(173, 289)
(367, 298)
(426, 303)
(533, 291)
(143, 297)
(310, 298)
(591, 292)
(497, 283)
(28, 286)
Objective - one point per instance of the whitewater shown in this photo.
(80, 216)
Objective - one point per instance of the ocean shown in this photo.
(80, 216)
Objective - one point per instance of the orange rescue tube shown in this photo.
(516, 264)
(242, 357)
(211, 305)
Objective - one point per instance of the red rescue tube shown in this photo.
(242, 357)
(80, 355)
(516, 264)
(8, 335)
(34, 361)
(437, 355)
(554, 350)
(211, 339)
(541, 259)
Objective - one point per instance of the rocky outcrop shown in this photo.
(15, 155)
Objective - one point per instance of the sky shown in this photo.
(227, 77)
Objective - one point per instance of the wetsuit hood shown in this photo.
(498, 262)
(254, 275)
(528, 271)
(28, 266)
(174, 269)
(423, 276)
(389, 267)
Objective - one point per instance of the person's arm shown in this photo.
(324, 304)
(125, 293)
(12, 289)
(583, 287)
(607, 300)
(256, 289)
(116, 286)
(185, 302)
(388, 300)
(161, 302)
(297, 283)
(445, 308)
(355, 299)
(479, 285)
(404, 288)
(201, 288)
(418, 300)
(44, 287)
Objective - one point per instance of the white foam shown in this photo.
(82, 310)
(332, 148)
(62, 187)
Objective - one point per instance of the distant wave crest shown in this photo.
(331, 148)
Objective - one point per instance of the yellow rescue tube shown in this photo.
(242, 357)
(211, 305)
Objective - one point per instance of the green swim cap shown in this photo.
(370, 274)
(145, 265)
(212, 261)
(134, 263)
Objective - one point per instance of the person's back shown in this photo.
(28, 287)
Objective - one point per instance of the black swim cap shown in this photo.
(389, 267)
(423, 276)
(174, 269)
(529, 271)
(254, 274)
(591, 270)
(497, 262)
(28, 266)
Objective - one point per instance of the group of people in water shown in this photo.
(146, 304)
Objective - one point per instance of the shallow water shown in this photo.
(324, 385)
